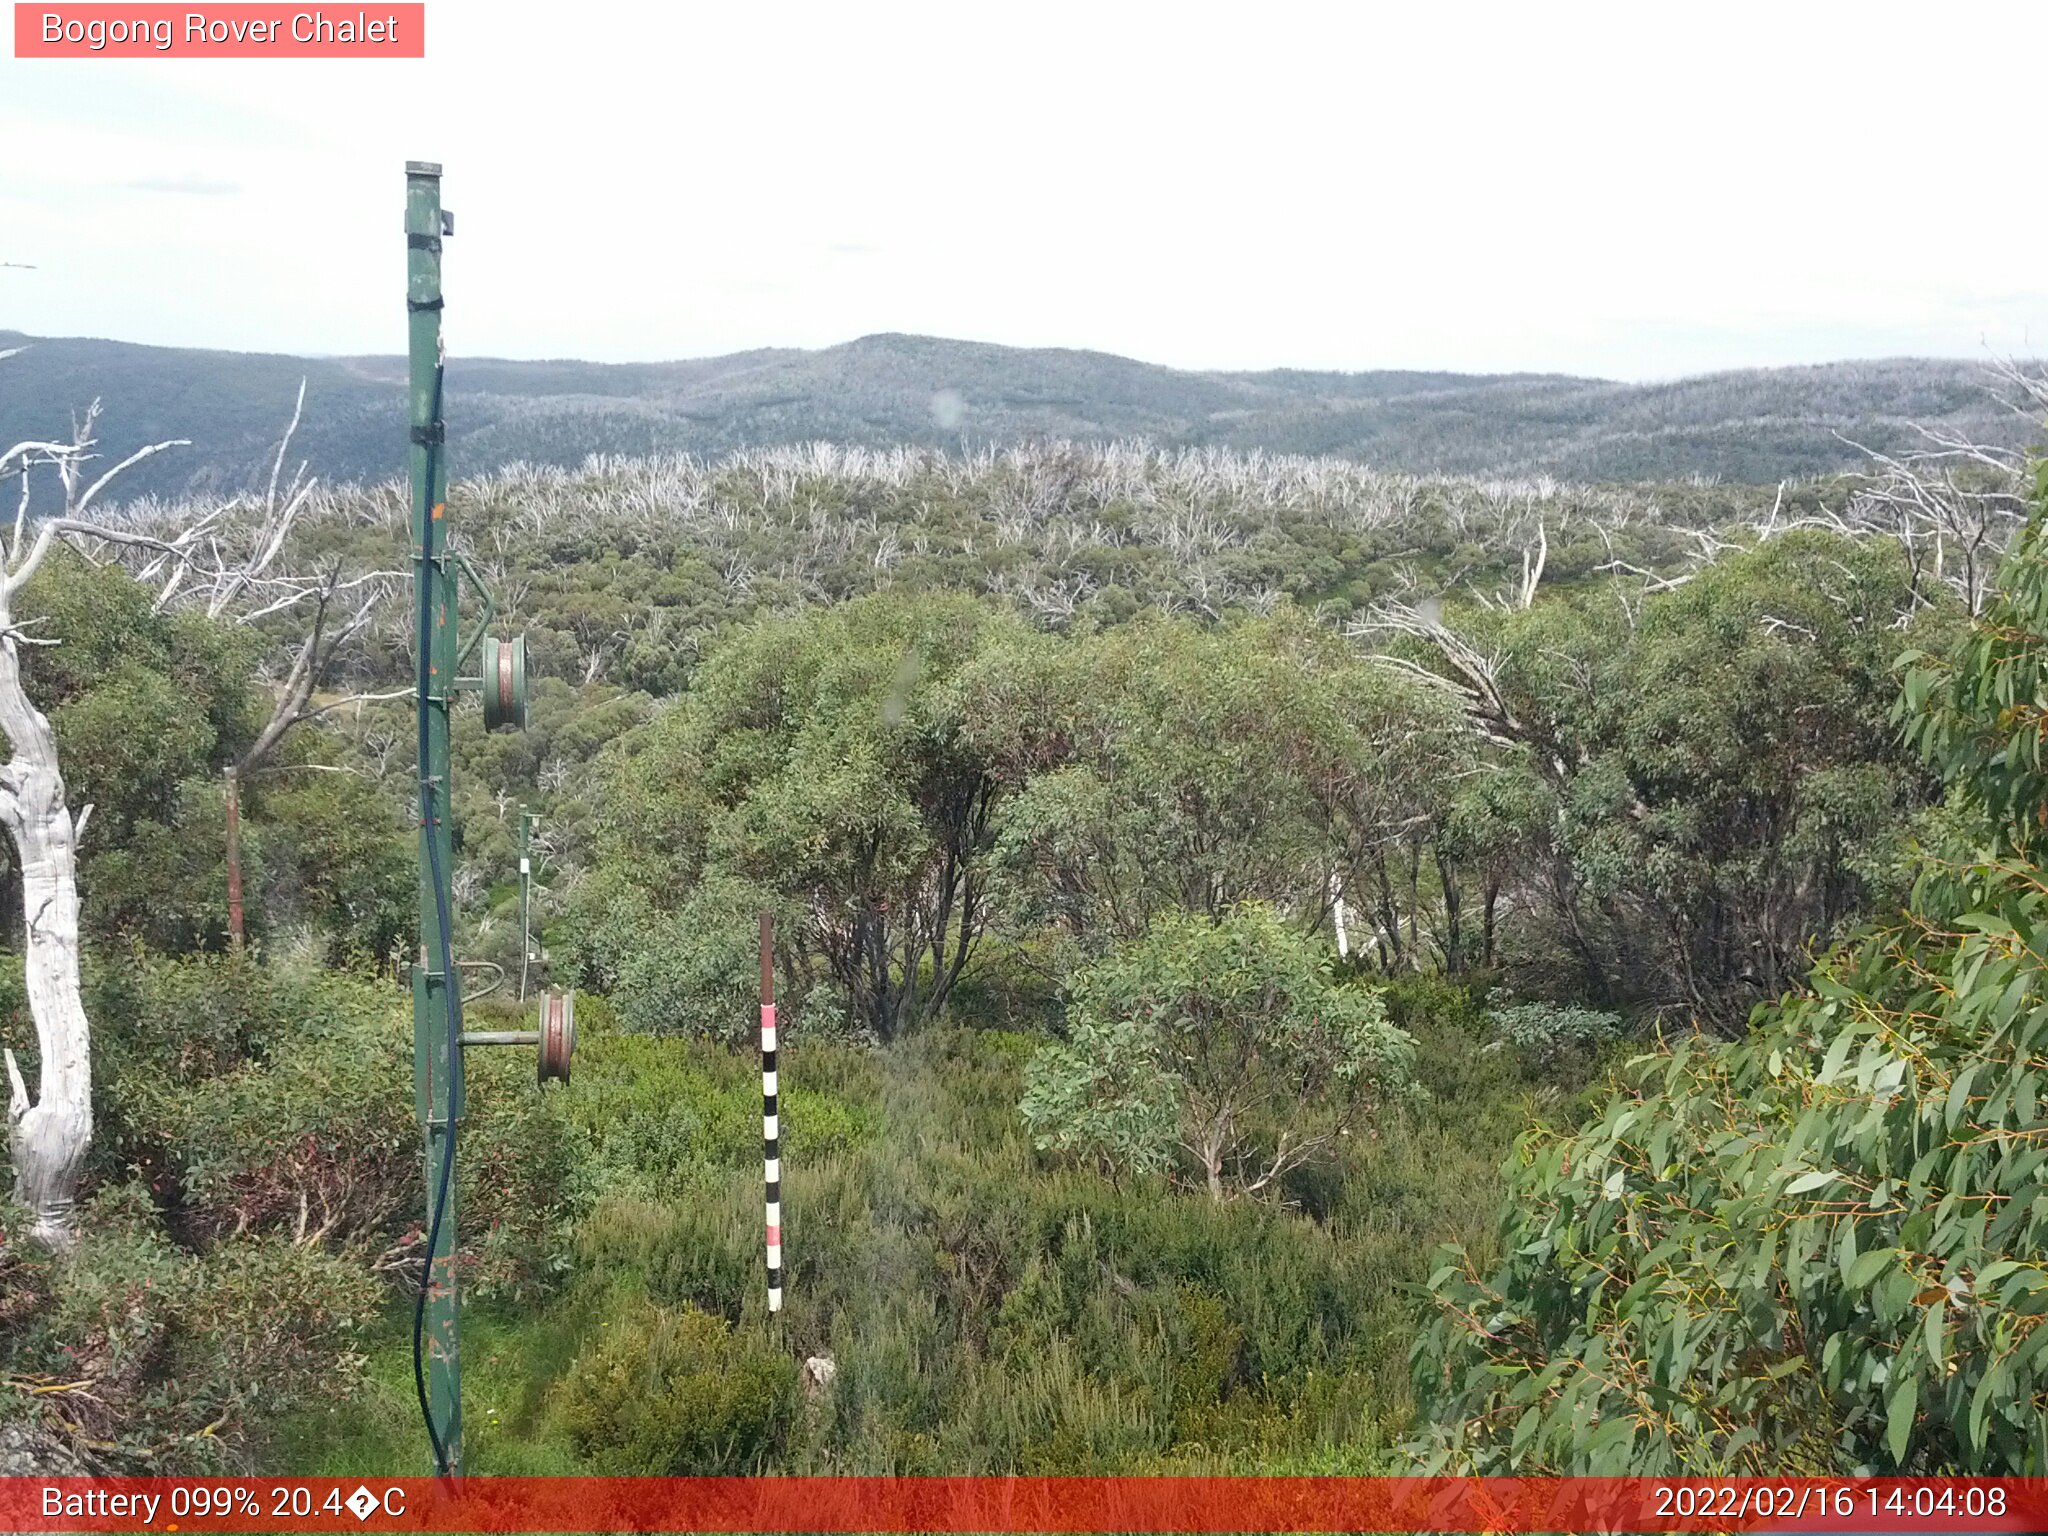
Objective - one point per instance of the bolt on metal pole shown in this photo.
(437, 1061)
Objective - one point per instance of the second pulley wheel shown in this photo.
(557, 1033)
(504, 682)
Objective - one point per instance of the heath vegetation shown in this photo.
(1284, 967)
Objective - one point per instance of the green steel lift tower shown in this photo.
(438, 1037)
(436, 986)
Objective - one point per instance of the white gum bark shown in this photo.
(48, 1135)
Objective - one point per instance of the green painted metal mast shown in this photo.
(437, 1058)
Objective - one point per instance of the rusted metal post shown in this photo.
(234, 789)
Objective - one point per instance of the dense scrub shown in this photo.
(1662, 806)
(985, 1310)
(1823, 1248)
(1191, 875)
(257, 1168)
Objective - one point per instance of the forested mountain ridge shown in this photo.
(1060, 765)
(1754, 426)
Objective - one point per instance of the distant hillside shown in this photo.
(1754, 427)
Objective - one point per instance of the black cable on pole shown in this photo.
(446, 955)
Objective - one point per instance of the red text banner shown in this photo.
(226, 31)
(1020, 1504)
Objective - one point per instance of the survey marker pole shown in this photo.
(437, 1061)
(771, 1120)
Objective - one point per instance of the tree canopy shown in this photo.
(1818, 1248)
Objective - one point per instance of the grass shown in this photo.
(508, 1362)
(987, 1310)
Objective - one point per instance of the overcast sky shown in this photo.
(1639, 191)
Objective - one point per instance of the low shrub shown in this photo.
(317, 1141)
(653, 1115)
(166, 1360)
(667, 1393)
(1553, 1036)
(314, 1136)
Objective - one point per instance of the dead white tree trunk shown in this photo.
(48, 1137)
(50, 1133)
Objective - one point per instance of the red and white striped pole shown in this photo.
(771, 1128)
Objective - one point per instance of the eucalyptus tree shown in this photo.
(1171, 766)
(188, 556)
(49, 1133)
(1819, 1248)
(1169, 776)
(1216, 1048)
(825, 761)
(1724, 789)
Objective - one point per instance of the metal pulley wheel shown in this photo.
(504, 682)
(557, 1033)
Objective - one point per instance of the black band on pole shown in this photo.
(427, 437)
(421, 306)
(771, 1123)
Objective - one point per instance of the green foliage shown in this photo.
(1226, 1040)
(184, 1354)
(1168, 766)
(692, 967)
(1552, 1035)
(278, 1100)
(954, 812)
(1977, 711)
(988, 1315)
(1724, 784)
(545, 767)
(823, 759)
(1105, 1095)
(329, 852)
(676, 1394)
(1695, 795)
(146, 707)
(985, 1313)
(307, 1130)
(650, 1114)
(1819, 1249)
(264, 1114)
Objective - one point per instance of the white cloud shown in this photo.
(1620, 189)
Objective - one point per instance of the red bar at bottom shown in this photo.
(1006, 1504)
